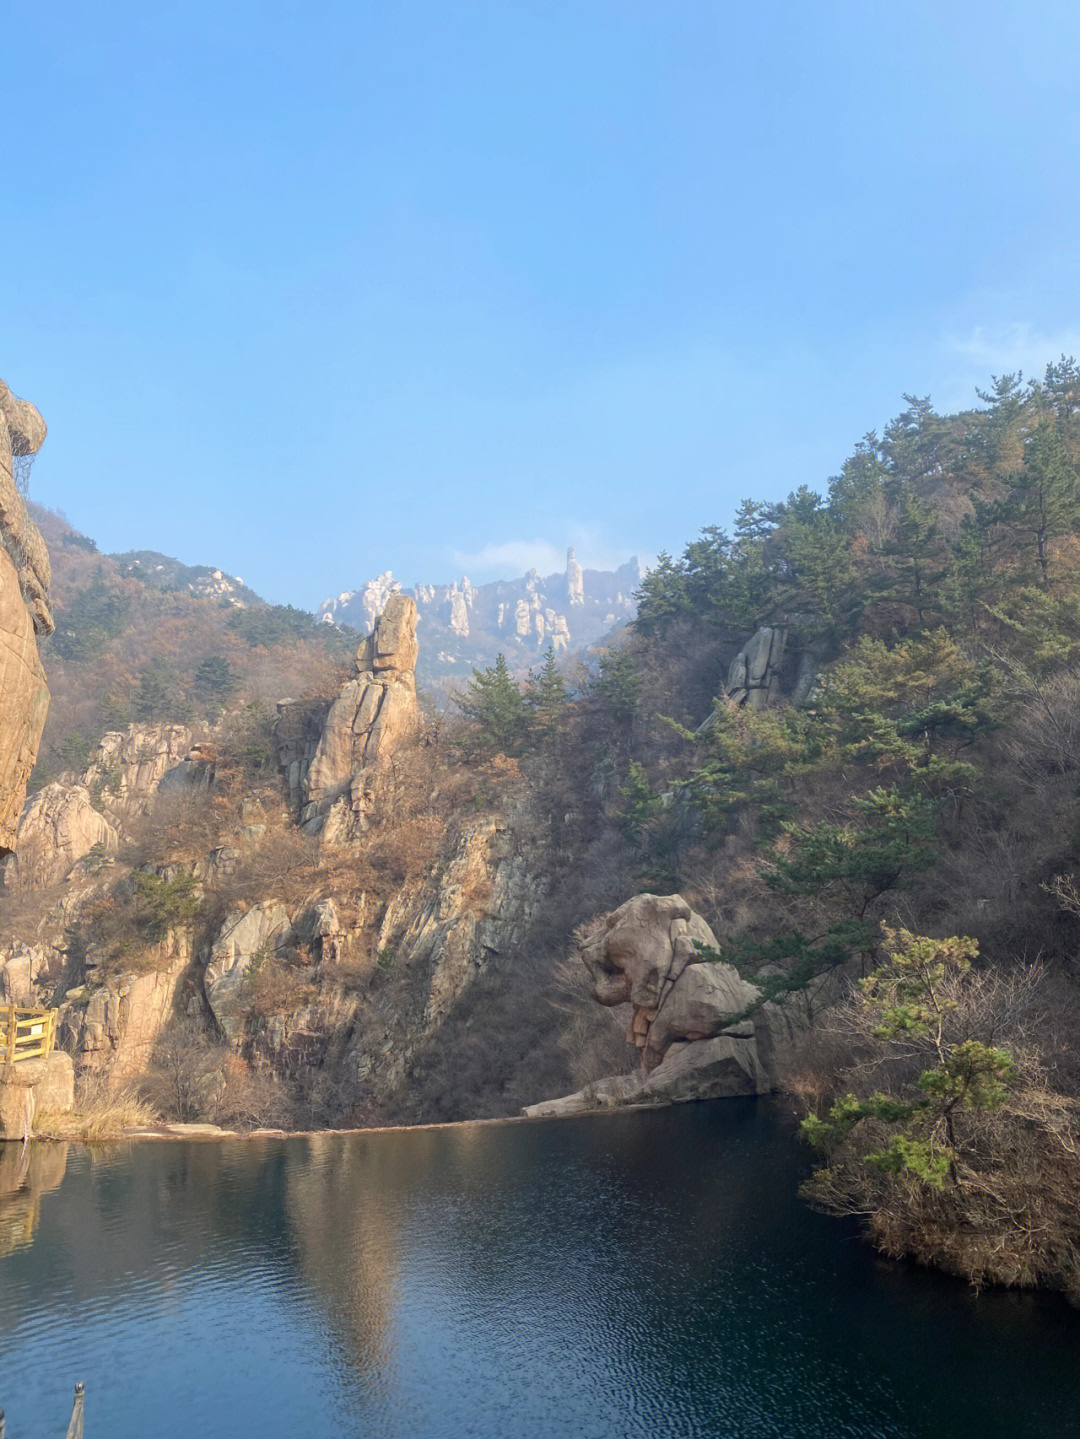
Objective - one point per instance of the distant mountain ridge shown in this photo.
(463, 625)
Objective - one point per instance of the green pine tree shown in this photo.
(546, 698)
(496, 706)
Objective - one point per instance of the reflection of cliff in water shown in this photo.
(27, 1171)
(347, 1238)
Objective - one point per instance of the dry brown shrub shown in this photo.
(191, 1077)
(405, 851)
(277, 987)
(101, 1112)
(592, 1036)
(1008, 1213)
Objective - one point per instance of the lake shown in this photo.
(643, 1273)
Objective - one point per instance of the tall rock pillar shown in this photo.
(25, 578)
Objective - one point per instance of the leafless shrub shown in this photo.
(191, 1077)
(592, 1036)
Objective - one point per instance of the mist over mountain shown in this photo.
(463, 625)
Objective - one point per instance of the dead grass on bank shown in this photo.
(99, 1114)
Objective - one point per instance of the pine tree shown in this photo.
(1044, 502)
(495, 704)
(918, 559)
(546, 697)
(215, 682)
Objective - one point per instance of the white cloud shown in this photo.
(988, 350)
(512, 558)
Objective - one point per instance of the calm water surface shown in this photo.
(635, 1274)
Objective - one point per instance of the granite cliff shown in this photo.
(25, 578)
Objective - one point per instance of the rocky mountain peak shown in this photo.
(466, 625)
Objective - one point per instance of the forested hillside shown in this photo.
(141, 638)
(911, 770)
(847, 732)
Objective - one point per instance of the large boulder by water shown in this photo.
(652, 951)
(701, 1029)
(17, 1104)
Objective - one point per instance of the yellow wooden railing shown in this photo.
(26, 1033)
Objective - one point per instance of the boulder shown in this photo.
(54, 1092)
(700, 1027)
(720, 1068)
(58, 828)
(649, 952)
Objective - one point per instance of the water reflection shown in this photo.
(633, 1274)
(27, 1171)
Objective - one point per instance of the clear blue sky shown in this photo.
(309, 291)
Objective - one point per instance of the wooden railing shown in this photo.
(26, 1033)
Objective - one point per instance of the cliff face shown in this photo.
(25, 577)
(306, 932)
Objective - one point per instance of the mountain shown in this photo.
(811, 823)
(465, 626)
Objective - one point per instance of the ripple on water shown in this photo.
(647, 1274)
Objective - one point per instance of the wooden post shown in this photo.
(11, 1034)
(75, 1428)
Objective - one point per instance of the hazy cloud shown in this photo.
(513, 558)
(998, 350)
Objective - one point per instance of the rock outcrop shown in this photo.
(58, 828)
(775, 662)
(244, 939)
(754, 677)
(371, 716)
(477, 908)
(130, 764)
(695, 1020)
(112, 1025)
(25, 579)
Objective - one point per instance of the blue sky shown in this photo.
(313, 291)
